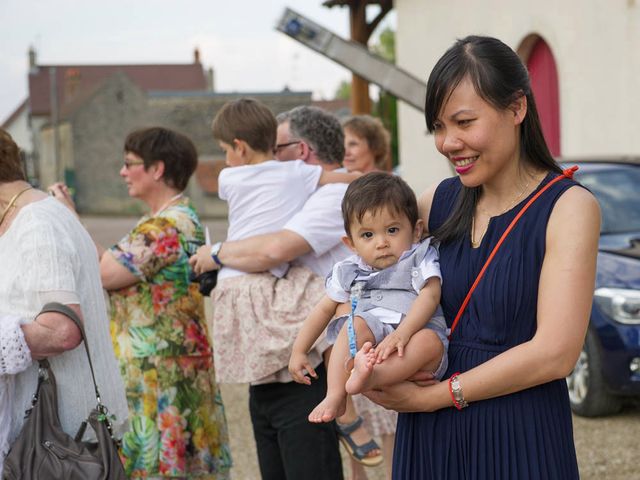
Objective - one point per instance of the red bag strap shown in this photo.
(567, 173)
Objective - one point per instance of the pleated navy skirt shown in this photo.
(525, 435)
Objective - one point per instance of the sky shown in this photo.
(236, 38)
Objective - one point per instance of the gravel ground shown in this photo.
(607, 447)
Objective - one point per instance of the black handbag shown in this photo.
(206, 281)
(44, 451)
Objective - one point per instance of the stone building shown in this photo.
(76, 135)
(93, 131)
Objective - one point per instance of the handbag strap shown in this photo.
(68, 312)
(567, 173)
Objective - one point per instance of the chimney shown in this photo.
(196, 55)
(210, 82)
(32, 58)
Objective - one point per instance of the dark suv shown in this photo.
(608, 370)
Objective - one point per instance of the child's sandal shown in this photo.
(358, 452)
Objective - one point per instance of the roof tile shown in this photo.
(72, 80)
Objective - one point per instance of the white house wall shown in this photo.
(595, 44)
(19, 130)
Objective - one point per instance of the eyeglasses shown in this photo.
(128, 163)
(280, 146)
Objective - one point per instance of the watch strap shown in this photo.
(215, 249)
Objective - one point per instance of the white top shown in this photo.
(429, 266)
(46, 255)
(320, 223)
(263, 197)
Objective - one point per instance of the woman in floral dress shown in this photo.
(178, 427)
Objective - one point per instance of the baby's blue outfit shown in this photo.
(387, 295)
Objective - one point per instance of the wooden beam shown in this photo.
(361, 31)
(360, 99)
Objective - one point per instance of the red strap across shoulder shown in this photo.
(567, 173)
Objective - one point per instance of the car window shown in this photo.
(618, 192)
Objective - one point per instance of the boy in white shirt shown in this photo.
(256, 315)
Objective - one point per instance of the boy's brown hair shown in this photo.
(248, 120)
(375, 191)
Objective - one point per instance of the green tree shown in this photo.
(343, 92)
(386, 108)
(386, 45)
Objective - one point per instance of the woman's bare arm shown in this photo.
(52, 333)
(114, 275)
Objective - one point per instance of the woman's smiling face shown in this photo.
(478, 139)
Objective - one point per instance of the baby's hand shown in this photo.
(388, 345)
(298, 363)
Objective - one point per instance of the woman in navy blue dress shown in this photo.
(523, 329)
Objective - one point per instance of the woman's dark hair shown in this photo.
(11, 168)
(175, 150)
(499, 78)
(377, 190)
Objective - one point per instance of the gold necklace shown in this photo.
(167, 203)
(513, 202)
(12, 202)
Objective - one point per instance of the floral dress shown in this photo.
(178, 426)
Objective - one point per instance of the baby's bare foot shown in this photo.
(362, 370)
(328, 409)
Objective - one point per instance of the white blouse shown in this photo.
(46, 255)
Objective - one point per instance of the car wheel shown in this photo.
(588, 392)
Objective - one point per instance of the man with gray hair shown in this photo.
(288, 445)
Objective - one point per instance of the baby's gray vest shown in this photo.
(392, 288)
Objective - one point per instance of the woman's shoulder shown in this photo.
(180, 216)
(571, 202)
(437, 201)
(564, 189)
(41, 210)
(448, 187)
(47, 217)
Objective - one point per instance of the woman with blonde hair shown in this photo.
(367, 144)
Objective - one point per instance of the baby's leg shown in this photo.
(423, 352)
(333, 404)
